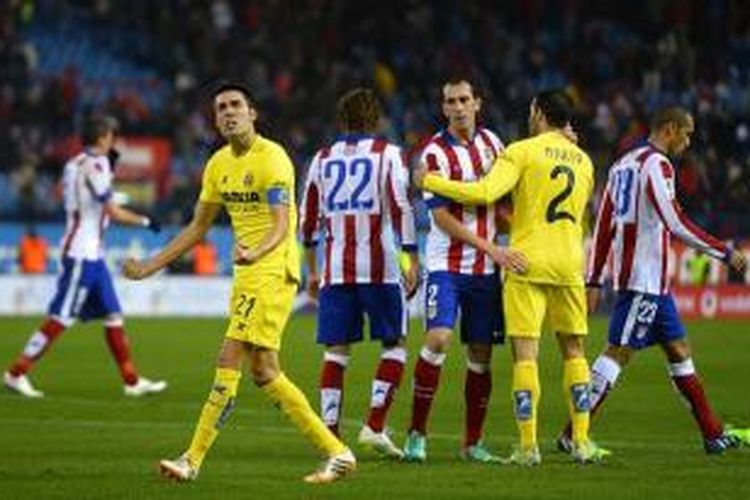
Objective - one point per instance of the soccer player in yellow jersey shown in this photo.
(253, 179)
(550, 180)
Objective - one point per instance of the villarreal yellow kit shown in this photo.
(248, 186)
(550, 180)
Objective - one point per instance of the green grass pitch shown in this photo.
(85, 440)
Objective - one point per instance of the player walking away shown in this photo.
(253, 178)
(551, 180)
(636, 219)
(84, 287)
(461, 273)
(357, 191)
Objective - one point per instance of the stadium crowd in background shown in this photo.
(693, 53)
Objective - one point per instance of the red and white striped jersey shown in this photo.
(356, 195)
(87, 186)
(637, 216)
(446, 156)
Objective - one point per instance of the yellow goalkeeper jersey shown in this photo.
(247, 186)
(550, 180)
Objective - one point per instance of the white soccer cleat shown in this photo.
(380, 442)
(144, 387)
(179, 469)
(333, 469)
(21, 385)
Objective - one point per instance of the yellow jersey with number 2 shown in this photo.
(550, 180)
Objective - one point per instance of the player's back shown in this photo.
(549, 203)
(86, 186)
(357, 187)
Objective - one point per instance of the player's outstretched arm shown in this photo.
(499, 181)
(123, 215)
(278, 232)
(204, 215)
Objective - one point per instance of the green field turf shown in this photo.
(85, 440)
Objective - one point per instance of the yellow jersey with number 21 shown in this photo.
(550, 180)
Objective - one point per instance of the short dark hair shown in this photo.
(670, 115)
(359, 110)
(95, 127)
(457, 79)
(226, 85)
(556, 106)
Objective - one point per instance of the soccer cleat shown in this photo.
(480, 454)
(415, 448)
(144, 387)
(727, 440)
(333, 469)
(179, 469)
(21, 385)
(588, 452)
(524, 458)
(740, 435)
(380, 442)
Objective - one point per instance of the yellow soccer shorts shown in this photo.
(259, 310)
(527, 304)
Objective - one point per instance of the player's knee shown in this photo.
(114, 320)
(479, 353)
(438, 340)
(677, 351)
(342, 349)
(262, 373)
(620, 354)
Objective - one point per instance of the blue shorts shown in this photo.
(342, 309)
(640, 320)
(84, 290)
(478, 298)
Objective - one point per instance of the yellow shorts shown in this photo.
(526, 305)
(260, 309)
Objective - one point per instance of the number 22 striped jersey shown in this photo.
(356, 195)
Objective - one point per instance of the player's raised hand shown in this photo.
(243, 256)
(418, 174)
(134, 269)
(738, 261)
(512, 260)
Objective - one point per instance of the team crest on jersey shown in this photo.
(248, 180)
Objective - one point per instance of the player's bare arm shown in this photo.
(204, 215)
(279, 230)
(510, 259)
(313, 278)
(125, 216)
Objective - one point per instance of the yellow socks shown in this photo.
(295, 405)
(576, 381)
(215, 413)
(526, 393)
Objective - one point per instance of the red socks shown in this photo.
(120, 349)
(36, 346)
(386, 383)
(426, 379)
(477, 389)
(687, 382)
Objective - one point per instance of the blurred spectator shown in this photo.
(32, 253)
(205, 258)
(150, 67)
(699, 267)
